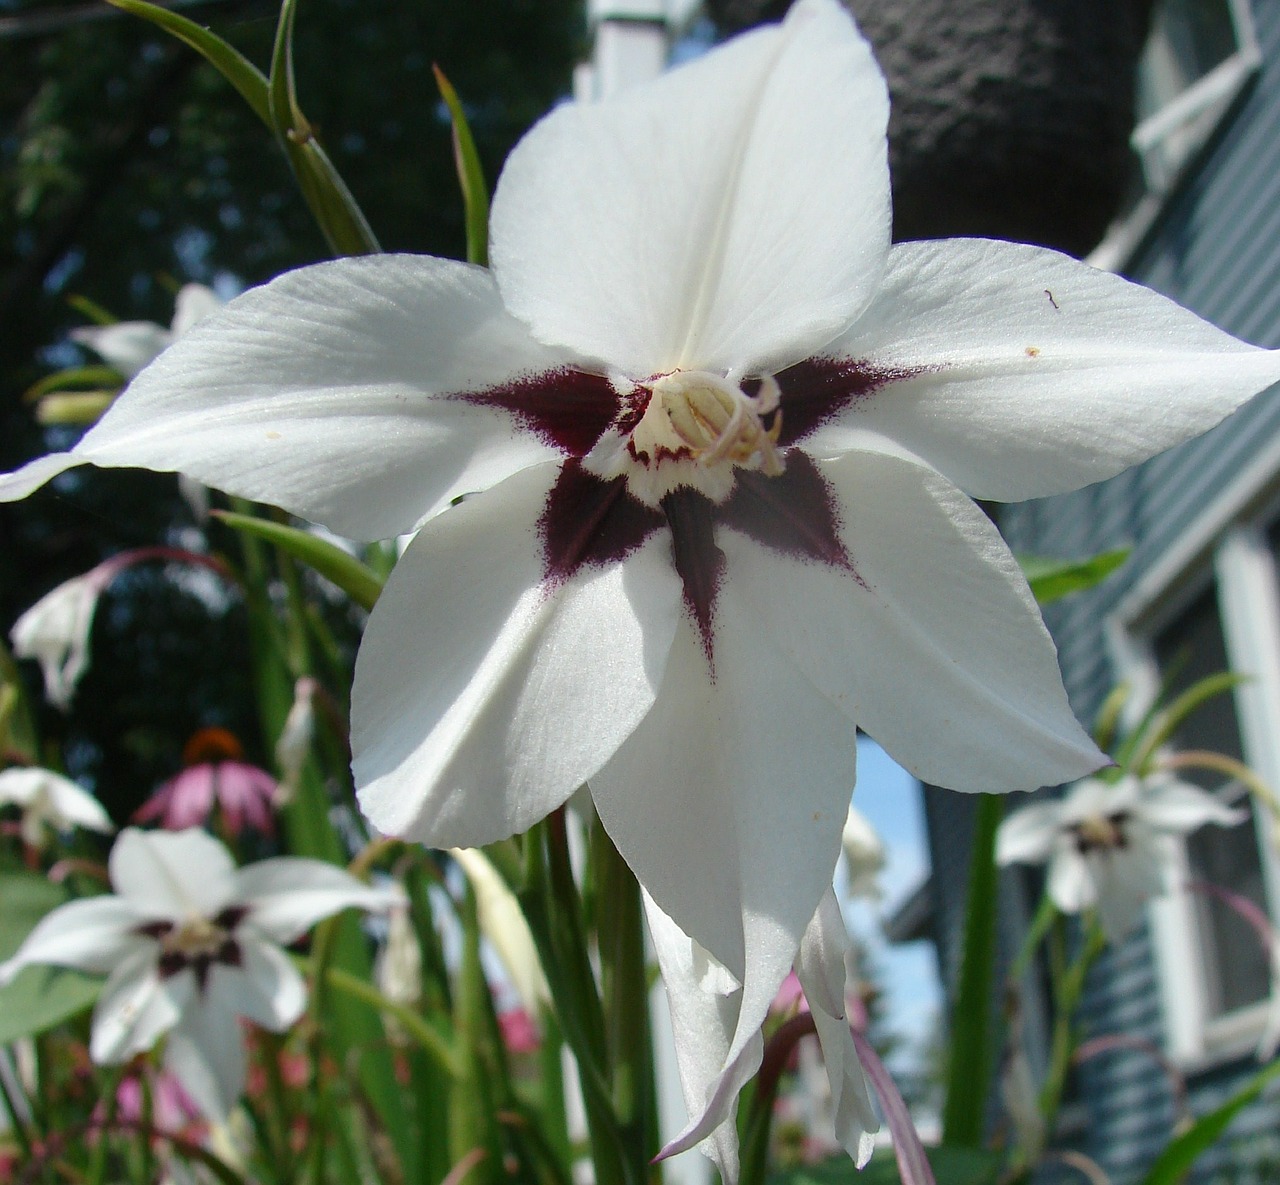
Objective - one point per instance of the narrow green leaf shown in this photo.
(228, 61)
(91, 309)
(40, 997)
(969, 1071)
(74, 378)
(475, 193)
(951, 1166)
(1053, 579)
(1170, 719)
(1173, 1163)
(348, 573)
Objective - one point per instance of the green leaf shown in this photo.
(1053, 579)
(74, 378)
(354, 578)
(40, 997)
(1170, 719)
(475, 193)
(1173, 1163)
(228, 61)
(332, 204)
(969, 1071)
(951, 1166)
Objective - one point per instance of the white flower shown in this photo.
(130, 345)
(721, 429)
(1108, 844)
(191, 943)
(864, 856)
(55, 632)
(48, 799)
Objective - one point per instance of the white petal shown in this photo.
(266, 987)
(935, 646)
(1093, 797)
(710, 801)
(1027, 836)
(703, 1021)
(206, 1052)
(92, 934)
(136, 1007)
(287, 895)
(21, 482)
(1176, 806)
(126, 345)
(1070, 885)
(485, 696)
(317, 392)
(1040, 374)
(193, 304)
(172, 873)
(732, 213)
(57, 799)
(55, 631)
(1126, 878)
(820, 967)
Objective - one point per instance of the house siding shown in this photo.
(1216, 251)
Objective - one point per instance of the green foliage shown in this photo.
(1053, 579)
(40, 997)
(951, 1166)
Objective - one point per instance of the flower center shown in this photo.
(1101, 832)
(696, 428)
(197, 942)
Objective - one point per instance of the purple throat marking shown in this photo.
(565, 408)
(816, 390)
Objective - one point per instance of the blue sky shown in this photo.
(890, 798)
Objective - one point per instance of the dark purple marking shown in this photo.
(589, 521)
(568, 409)
(699, 562)
(794, 513)
(818, 389)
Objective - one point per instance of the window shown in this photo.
(1216, 606)
(1198, 56)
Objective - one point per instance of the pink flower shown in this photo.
(519, 1033)
(214, 773)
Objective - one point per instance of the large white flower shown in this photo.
(48, 799)
(1109, 845)
(190, 943)
(722, 430)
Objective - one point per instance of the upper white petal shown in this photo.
(287, 895)
(733, 213)
(1170, 804)
(319, 392)
(936, 648)
(484, 694)
(176, 874)
(93, 934)
(1039, 374)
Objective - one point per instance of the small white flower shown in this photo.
(864, 856)
(49, 799)
(130, 345)
(55, 632)
(191, 943)
(1108, 845)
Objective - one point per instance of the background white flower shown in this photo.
(190, 943)
(864, 856)
(55, 632)
(48, 799)
(1109, 844)
(129, 345)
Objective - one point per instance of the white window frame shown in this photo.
(1209, 98)
(1226, 546)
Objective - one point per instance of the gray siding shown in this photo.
(1216, 251)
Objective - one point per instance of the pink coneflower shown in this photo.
(214, 773)
(519, 1032)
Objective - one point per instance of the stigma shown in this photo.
(692, 428)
